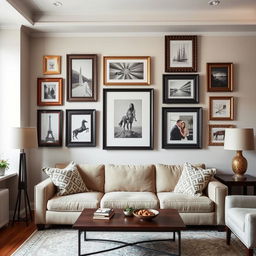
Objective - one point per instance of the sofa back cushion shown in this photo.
(167, 176)
(133, 178)
(92, 175)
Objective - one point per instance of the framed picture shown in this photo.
(180, 53)
(182, 128)
(80, 128)
(221, 108)
(49, 91)
(51, 65)
(123, 70)
(220, 77)
(49, 128)
(128, 118)
(180, 89)
(81, 77)
(217, 134)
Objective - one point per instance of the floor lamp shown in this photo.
(23, 138)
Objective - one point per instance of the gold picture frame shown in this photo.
(216, 134)
(51, 65)
(126, 70)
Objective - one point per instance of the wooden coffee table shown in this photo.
(168, 220)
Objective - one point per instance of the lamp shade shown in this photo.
(239, 139)
(24, 137)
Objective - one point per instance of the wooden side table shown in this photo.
(229, 181)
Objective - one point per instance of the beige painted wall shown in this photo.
(241, 50)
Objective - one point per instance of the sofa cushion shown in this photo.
(185, 203)
(68, 180)
(75, 202)
(136, 200)
(132, 178)
(167, 176)
(193, 180)
(92, 175)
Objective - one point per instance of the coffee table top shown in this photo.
(168, 220)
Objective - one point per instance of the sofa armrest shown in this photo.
(250, 229)
(217, 192)
(43, 192)
(240, 202)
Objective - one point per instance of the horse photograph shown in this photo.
(81, 128)
(128, 119)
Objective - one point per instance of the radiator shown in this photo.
(4, 207)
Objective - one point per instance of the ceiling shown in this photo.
(130, 16)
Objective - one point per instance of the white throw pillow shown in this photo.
(193, 180)
(67, 180)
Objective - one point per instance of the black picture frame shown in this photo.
(145, 113)
(76, 75)
(193, 138)
(50, 126)
(81, 117)
(191, 81)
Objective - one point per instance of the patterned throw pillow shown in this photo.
(193, 180)
(67, 180)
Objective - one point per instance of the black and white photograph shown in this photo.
(51, 65)
(220, 77)
(181, 127)
(49, 128)
(49, 91)
(128, 119)
(180, 89)
(82, 77)
(180, 53)
(221, 108)
(80, 128)
(126, 70)
(217, 134)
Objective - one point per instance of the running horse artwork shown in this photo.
(219, 133)
(80, 130)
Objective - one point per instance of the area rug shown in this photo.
(63, 242)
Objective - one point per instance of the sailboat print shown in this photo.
(181, 55)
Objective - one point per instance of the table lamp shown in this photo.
(23, 138)
(239, 139)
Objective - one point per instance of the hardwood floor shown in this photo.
(12, 236)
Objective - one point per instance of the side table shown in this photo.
(229, 181)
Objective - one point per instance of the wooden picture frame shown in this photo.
(126, 70)
(219, 77)
(82, 84)
(180, 89)
(128, 119)
(49, 128)
(216, 134)
(221, 108)
(182, 128)
(180, 53)
(51, 65)
(49, 91)
(80, 128)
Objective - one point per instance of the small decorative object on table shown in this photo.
(128, 211)
(4, 165)
(145, 214)
(103, 214)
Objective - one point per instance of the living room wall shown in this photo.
(239, 49)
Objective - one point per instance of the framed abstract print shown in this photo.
(49, 128)
(82, 77)
(220, 77)
(128, 119)
(181, 128)
(80, 127)
(123, 70)
(221, 108)
(180, 89)
(180, 53)
(217, 134)
(49, 91)
(51, 65)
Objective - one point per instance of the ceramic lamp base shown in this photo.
(239, 165)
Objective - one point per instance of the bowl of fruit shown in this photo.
(145, 214)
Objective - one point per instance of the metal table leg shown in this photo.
(179, 243)
(79, 242)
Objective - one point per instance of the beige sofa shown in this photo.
(138, 186)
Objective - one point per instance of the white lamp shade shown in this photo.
(239, 139)
(24, 137)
